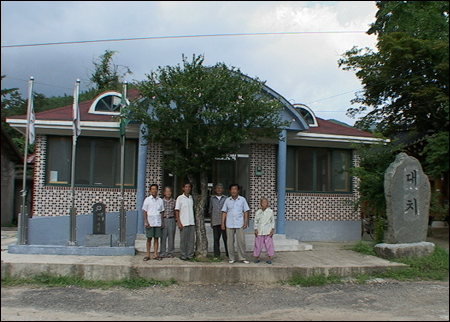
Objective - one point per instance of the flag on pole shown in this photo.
(31, 117)
(76, 110)
(123, 119)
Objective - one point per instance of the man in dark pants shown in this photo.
(215, 213)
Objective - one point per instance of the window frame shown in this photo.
(293, 172)
(93, 141)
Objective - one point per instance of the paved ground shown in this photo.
(378, 300)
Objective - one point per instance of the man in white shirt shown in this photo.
(184, 214)
(234, 218)
(153, 209)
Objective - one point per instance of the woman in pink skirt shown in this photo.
(264, 227)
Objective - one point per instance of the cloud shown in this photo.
(301, 67)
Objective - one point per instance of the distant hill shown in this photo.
(339, 122)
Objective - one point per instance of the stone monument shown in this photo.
(98, 238)
(407, 192)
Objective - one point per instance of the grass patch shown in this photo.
(49, 280)
(364, 247)
(207, 259)
(313, 280)
(432, 267)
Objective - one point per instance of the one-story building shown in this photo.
(301, 176)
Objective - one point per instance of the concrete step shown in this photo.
(281, 243)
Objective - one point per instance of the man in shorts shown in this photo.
(153, 209)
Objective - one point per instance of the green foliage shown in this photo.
(364, 247)
(202, 113)
(313, 280)
(432, 267)
(374, 160)
(406, 80)
(50, 280)
(438, 210)
(107, 75)
(436, 153)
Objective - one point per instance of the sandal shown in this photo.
(146, 258)
(157, 258)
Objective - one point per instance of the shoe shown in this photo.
(256, 261)
(269, 261)
(183, 258)
(170, 256)
(245, 262)
(146, 258)
(231, 262)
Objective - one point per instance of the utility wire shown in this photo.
(183, 36)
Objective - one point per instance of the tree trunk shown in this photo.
(200, 203)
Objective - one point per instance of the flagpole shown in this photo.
(22, 233)
(73, 211)
(122, 214)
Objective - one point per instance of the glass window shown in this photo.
(109, 103)
(97, 161)
(59, 152)
(317, 169)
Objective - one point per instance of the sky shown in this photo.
(294, 46)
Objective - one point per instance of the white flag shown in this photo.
(76, 111)
(31, 116)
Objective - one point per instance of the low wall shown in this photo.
(55, 230)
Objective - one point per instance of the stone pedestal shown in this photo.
(98, 240)
(409, 250)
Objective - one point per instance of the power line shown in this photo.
(322, 99)
(183, 36)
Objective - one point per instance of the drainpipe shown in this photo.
(141, 176)
(281, 182)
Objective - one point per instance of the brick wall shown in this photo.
(56, 201)
(299, 206)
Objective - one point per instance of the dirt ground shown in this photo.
(380, 300)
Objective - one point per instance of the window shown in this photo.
(108, 103)
(97, 162)
(318, 169)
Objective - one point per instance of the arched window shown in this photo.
(307, 114)
(107, 103)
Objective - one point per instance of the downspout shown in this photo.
(281, 183)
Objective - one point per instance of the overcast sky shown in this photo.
(301, 67)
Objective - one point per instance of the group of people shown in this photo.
(229, 218)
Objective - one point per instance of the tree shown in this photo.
(107, 75)
(406, 82)
(374, 160)
(202, 113)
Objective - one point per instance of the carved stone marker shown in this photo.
(98, 238)
(99, 216)
(407, 192)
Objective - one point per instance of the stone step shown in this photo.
(281, 243)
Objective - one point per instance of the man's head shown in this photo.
(234, 189)
(154, 189)
(168, 192)
(187, 187)
(218, 189)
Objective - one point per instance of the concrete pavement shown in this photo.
(329, 258)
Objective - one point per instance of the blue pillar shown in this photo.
(141, 175)
(281, 183)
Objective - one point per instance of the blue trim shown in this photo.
(281, 182)
(141, 175)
